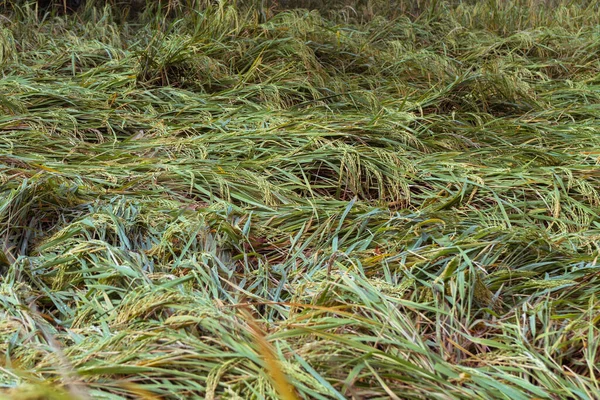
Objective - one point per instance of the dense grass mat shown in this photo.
(225, 203)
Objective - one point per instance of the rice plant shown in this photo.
(253, 200)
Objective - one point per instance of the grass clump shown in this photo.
(227, 201)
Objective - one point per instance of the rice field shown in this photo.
(216, 200)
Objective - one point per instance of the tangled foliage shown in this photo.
(225, 200)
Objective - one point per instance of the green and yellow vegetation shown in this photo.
(219, 200)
